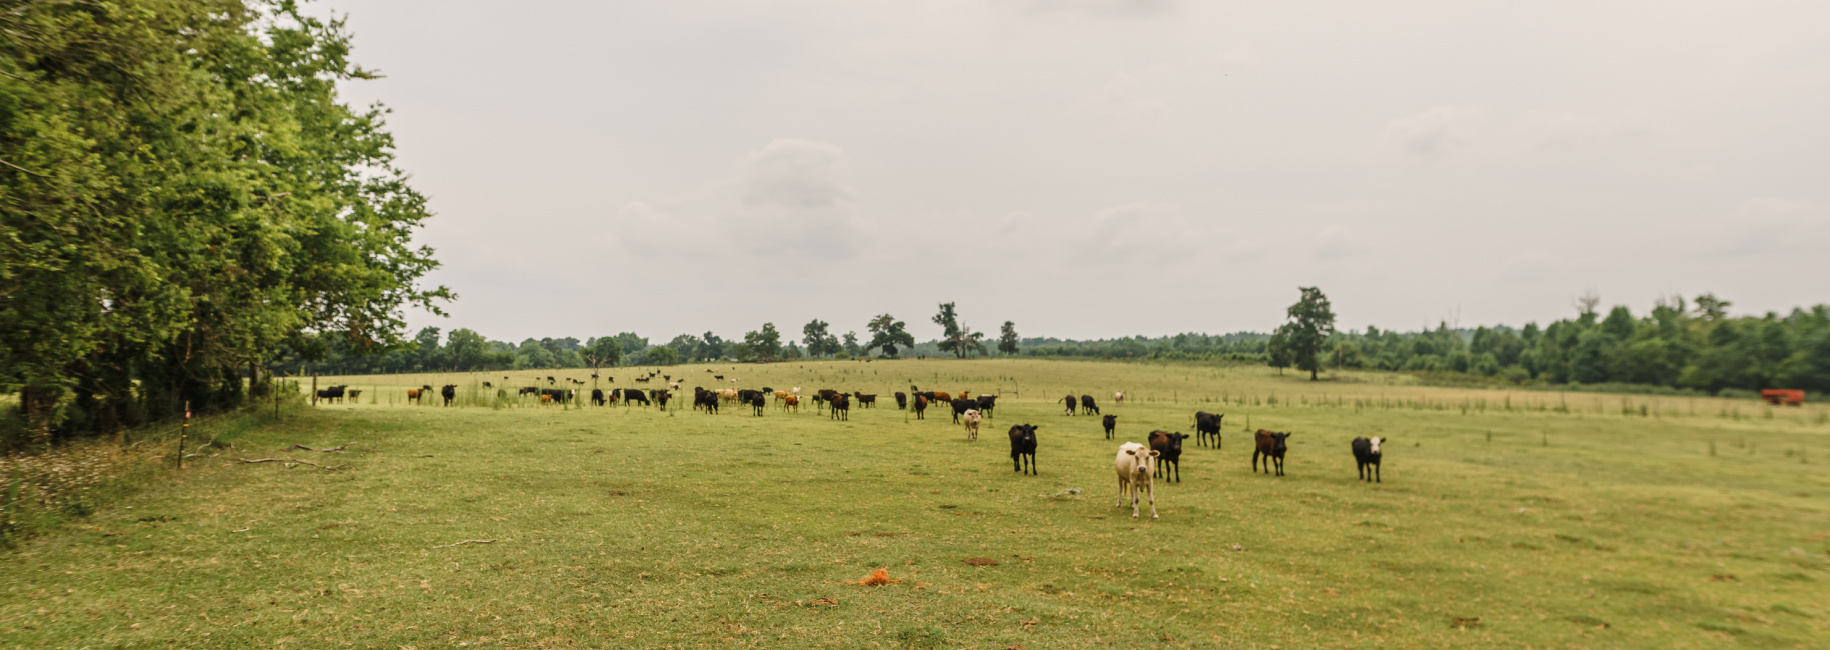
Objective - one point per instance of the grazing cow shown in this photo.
(1366, 455)
(1135, 468)
(597, 396)
(1272, 445)
(727, 394)
(1111, 422)
(867, 401)
(1072, 404)
(642, 380)
(938, 397)
(1118, 397)
(972, 424)
(964, 394)
(449, 392)
(792, 402)
(525, 390)
(987, 403)
(921, 406)
(960, 406)
(1087, 406)
(757, 402)
(1168, 447)
(546, 399)
(1207, 424)
(487, 385)
(716, 376)
(550, 380)
(841, 406)
(633, 395)
(781, 395)
(902, 401)
(1023, 447)
(555, 395)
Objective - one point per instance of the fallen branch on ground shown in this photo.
(294, 460)
(324, 450)
(468, 541)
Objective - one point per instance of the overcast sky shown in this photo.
(1097, 168)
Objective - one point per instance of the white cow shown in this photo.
(1136, 464)
(1118, 397)
(971, 419)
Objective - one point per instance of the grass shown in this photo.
(1512, 519)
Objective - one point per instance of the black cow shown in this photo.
(1273, 446)
(597, 396)
(986, 404)
(333, 393)
(449, 392)
(921, 406)
(757, 401)
(747, 394)
(558, 394)
(354, 393)
(841, 406)
(961, 406)
(661, 398)
(634, 395)
(1111, 422)
(1087, 406)
(1207, 424)
(550, 380)
(1169, 446)
(528, 389)
(1366, 454)
(1023, 447)
(487, 385)
(902, 401)
(1072, 404)
(867, 401)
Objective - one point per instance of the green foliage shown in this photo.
(763, 345)
(1008, 343)
(182, 194)
(820, 342)
(1311, 323)
(957, 338)
(889, 335)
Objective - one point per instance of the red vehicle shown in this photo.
(1788, 397)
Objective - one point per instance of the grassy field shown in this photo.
(1523, 519)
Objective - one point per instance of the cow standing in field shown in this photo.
(1135, 465)
(634, 395)
(867, 401)
(921, 406)
(1118, 397)
(960, 406)
(1111, 423)
(972, 424)
(757, 402)
(661, 398)
(1023, 447)
(940, 397)
(1207, 424)
(1072, 404)
(1272, 445)
(840, 405)
(792, 402)
(987, 403)
(1087, 406)
(597, 396)
(1168, 447)
(416, 394)
(902, 401)
(526, 390)
(449, 392)
(355, 393)
(1366, 455)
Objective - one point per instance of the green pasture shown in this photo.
(1506, 519)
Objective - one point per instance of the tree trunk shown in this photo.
(35, 403)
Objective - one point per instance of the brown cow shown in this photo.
(965, 394)
(414, 394)
(1168, 447)
(1271, 444)
(792, 402)
(921, 406)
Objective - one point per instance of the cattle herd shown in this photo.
(1137, 465)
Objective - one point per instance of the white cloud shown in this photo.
(1145, 231)
(1769, 226)
(1334, 243)
(796, 204)
(1434, 131)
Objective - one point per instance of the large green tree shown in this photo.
(1007, 338)
(889, 335)
(1311, 322)
(182, 193)
(819, 340)
(765, 344)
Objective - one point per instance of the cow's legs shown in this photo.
(1150, 491)
(1254, 461)
(1377, 478)
(1121, 493)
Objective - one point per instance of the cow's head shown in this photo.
(1175, 440)
(1111, 419)
(1024, 432)
(1146, 460)
(1278, 442)
(1376, 441)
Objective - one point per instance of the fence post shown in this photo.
(183, 432)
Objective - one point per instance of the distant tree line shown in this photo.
(1677, 345)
